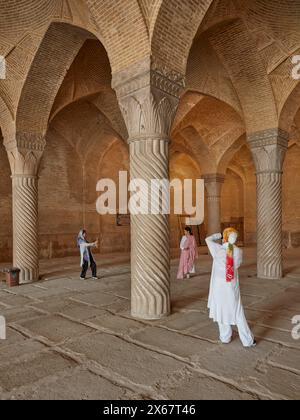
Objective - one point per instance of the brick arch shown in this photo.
(243, 161)
(177, 147)
(180, 154)
(290, 110)
(89, 79)
(90, 73)
(108, 146)
(57, 51)
(238, 53)
(229, 154)
(6, 115)
(82, 124)
(176, 25)
(200, 150)
(207, 75)
(106, 103)
(123, 29)
(235, 170)
(207, 111)
(209, 126)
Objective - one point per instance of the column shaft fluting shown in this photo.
(25, 227)
(269, 225)
(150, 255)
(269, 149)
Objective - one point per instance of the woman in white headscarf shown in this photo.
(224, 301)
(86, 256)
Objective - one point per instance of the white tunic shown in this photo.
(224, 299)
(182, 243)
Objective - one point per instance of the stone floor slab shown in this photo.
(137, 364)
(55, 328)
(171, 342)
(176, 357)
(196, 386)
(98, 299)
(32, 370)
(117, 324)
(78, 384)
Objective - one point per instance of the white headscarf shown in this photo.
(80, 237)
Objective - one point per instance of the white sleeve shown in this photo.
(183, 240)
(212, 245)
(86, 245)
(239, 258)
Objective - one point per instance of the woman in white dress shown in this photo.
(224, 301)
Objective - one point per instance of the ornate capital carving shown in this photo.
(148, 95)
(147, 116)
(24, 153)
(166, 80)
(269, 149)
(27, 141)
(149, 72)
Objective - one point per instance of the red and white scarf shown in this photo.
(229, 263)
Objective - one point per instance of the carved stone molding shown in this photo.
(24, 152)
(269, 149)
(148, 95)
(268, 137)
(25, 162)
(148, 116)
(147, 73)
(28, 141)
(166, 80)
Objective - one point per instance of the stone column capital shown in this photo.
(25, 151)
(213, 184)
(148, 95)
(211, 178)
(269, 149)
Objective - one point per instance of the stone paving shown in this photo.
(73, 339)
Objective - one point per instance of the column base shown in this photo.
(27, 277)
(261, 277)
(150, 317)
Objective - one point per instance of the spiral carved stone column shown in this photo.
(150, 276)
(213, 184)
(24, 153)
(269, 225)
(269, 149)
(148, 96)
(25, 222)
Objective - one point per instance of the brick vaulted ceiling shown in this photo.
(236, 55)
